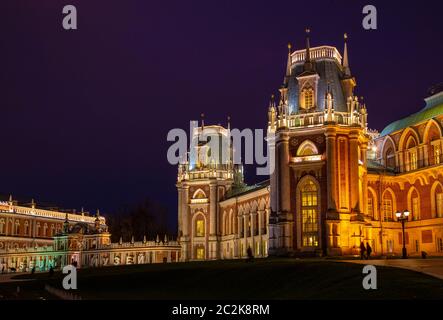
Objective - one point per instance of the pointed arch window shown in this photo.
(307, 98)
(388, 207)
(309, 214)
(200, 227)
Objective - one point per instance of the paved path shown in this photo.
(7, 277)
(433, 267)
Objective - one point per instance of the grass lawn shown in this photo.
(273, 278)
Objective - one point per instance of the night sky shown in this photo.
(85, 113)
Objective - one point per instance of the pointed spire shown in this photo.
(83, 211)
(308, 45)
(144, 239)
(132, 239)
(165, 240)
(229, 122)
(308, 64)
(120, 241)
(288, 63)
(33, 203)
(346, 68)
(202, 115)
(157, 239)
(10, 198)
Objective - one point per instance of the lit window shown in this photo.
(200, 253)
(439, 204)
(200, 228)
(437, 154)
(370, 207)
(387, 210)
(415, 208)
(308, 98)
(309, 209)
(412, 160)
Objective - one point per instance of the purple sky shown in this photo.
(86, 112)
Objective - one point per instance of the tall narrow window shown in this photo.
(412, 160)
(308, 98)
(370, 208)
(309, 211)
(415, 209)
(439, 204)
(200, 227)
(437, 154)
(387, 210)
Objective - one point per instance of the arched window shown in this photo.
(390, 158)
(26, 228)
(307, 98)
(372, 204)
(200, 226)
(307, 148)
(37, 231)
(309, 214)
(17, 227)
(437, 200)
(388, 206)
(411, 154)
(2, 226)
(414, 204)
(199, 194)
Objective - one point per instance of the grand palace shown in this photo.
(336, 184)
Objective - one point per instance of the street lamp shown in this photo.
(403, 217)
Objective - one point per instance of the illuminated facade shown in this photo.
(32, 237)
(336, 183)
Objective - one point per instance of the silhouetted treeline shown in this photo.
(144, 219)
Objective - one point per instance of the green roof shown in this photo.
(434, 107)
(235, 192)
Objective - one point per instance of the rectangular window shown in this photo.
(437, 154)
(200, 253)
(390, 245)
(310, 240)
(200, 228)
(413, 160)
(426, 236)
(439, 204)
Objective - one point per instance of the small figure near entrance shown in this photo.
(362, 251)
(368, 251)
(250, 255)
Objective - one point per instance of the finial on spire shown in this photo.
(202, 115)
(346, 68)
(288, 64)
(308, 45)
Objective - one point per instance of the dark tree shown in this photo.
(144, 219)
